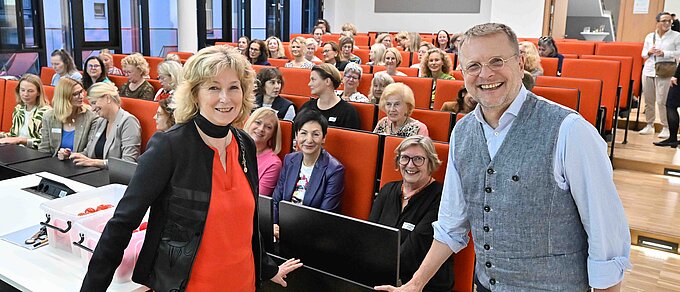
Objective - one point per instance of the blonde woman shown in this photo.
(106, 56)
(385, 39)
(298, 49)
(412, 42)
(204, 168)
(422, 51)
(27, 117)
(532, 60)
(275, 48)
(436, 65)
(401, 39)
(312, 45)
(398, 103)
(170, 75)
(115, 134)
(263, 127)
(392, 60)
(66, 127)
(136, 68)
(378, 84)
(377, 54)
(350, 28)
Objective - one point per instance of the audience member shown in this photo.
(456, 38)
(66, 127)
(532, 61)
(351, 28)
(422, 51)
(392, 61)
(436, 65)
(312, 46)
(268, 93)
(258, 53)
(27, 116)
(107, 57)
(412, 42)
(170, 75)
(547, 48)
(263, 128)
(165, 117)
(115, 134)
(324, 25)
(672, 104)
(378, 83)
(173, 57)
(243, 43)
(323, 80)
(331, 55)
(317, 33)
(463, 104)
(298, 49)
(94, 72)
(385, 39)
(63, 65)
(398, 103)
(347, 47)
(376, 55)
(401, 38)
(351, 78)
(135, 68)
(275, 47)
(411, 205)
(310, 176)
(444, 41)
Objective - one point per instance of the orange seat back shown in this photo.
(49, 92)
(361, 40)
(568, 97)
(590, 90)
(459, 116)
(633, 50)
(549, 66)
(278, 62)
(363, 55)
(576, 48)
(360, 162)
(118, 80)
(570, 56)
(605, 70)
(144, 110)
(458, 74)
(153, 65)
(464, 267)
(286, 128)
(331, 38)
(46, 74)
(389, 173)
(183, 55)
(625, 76)
(367, 115)
(235, 45)
(447, 90)
(296, 80)
(257, 68)
(296, 99)
(304, 35)
(117, 58)
(438, 123)
(405, 59)
(156, 84)
(422, 89)
(8, 101)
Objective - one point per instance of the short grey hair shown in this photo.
(486, 29)
(354, 67)
(424, 142)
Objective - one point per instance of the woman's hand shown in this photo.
(285, 268)
(64, 153)
(276, 231)
(82, 160)
(12, 140)
(674, 81)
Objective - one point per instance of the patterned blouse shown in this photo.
(305, 65)
(34, 125)
(144, 91)
(410, 128)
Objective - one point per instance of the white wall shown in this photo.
(524, 16)
(672, 6)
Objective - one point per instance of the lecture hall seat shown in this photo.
(144, 110)
(3, 98)
(296, 81)
(367, 115)
(447, 90)
(422, 89)
(46, 74)
(633, 50)
(590, 90)
(439, 124)
(625, 76)
(576, 48)
(286, 128)
(568, 97)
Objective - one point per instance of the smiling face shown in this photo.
(94, 69)
(77, 96)
(220, 100)
(102, 106)
(351, 81)
(396, 109)
(28, 93)
(410, 172)
(273, 46)
(443, 39)
(58, 64)
(377, 89)
(664, 23)
(422, 51)
(311, 48)
(390, 60)
(272, 87)
(435, 63)
(262, 130)
(296, 49)
(494, 90)
(242, 44)
(310, 138)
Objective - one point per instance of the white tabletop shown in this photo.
(43, 269)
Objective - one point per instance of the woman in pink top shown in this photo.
(263, 127)
(397, 103)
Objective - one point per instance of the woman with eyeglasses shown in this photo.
(547, 48)
(258, 53)
(63, 65)
(170, 75)
(331, 55)
(411, 204)
(95, 71)
(66, 127)
(351, 78)
(398, 103)
(136, 69)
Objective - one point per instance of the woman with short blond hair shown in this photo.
(298, 48)
(532, 60)
(263, 127)
(136, 68)
(170, 76)
(398, 103)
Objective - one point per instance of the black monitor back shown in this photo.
(121, 171)
(265, 209)
(350, 248)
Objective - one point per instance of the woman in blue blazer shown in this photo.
(310, 176)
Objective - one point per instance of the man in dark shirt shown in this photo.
(675, 25)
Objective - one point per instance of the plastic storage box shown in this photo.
(91, 228)
(62, 214)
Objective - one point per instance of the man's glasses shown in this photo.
(495, 64)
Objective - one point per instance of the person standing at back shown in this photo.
(555, 226)
(660, 49)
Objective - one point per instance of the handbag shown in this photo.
(664, 69)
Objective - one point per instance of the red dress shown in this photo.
(225, 260)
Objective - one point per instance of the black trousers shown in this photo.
(672, 104)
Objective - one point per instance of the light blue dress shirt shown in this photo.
(581, 165)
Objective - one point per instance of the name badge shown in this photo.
(332, 119)
(408, 226)
(56, 130)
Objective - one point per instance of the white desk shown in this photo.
(43, 269)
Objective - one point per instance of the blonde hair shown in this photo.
(172, 57)
(379, 52)
(381, 37)
(532, 60)
(380, 78)
(203, 67)
(302, 42)
(396, 53)
(414, 40)
(425, 142)
(280, 52)
(101, 89)
(172, 69)
(41, 100)
(401, 90)
(63, 108)
(274, 142)
(138, 61)
(350, 27)
(446, 66)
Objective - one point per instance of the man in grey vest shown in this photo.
(531, 180)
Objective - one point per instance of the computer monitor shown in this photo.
(265, 209)
(310, 279)
(121, 171)
(350, 248)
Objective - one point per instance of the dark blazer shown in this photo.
(325, 186)
(174, 178)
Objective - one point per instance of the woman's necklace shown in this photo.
(403, 191)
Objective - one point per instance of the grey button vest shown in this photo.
(527, 231)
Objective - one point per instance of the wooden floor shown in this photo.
(653, 270)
